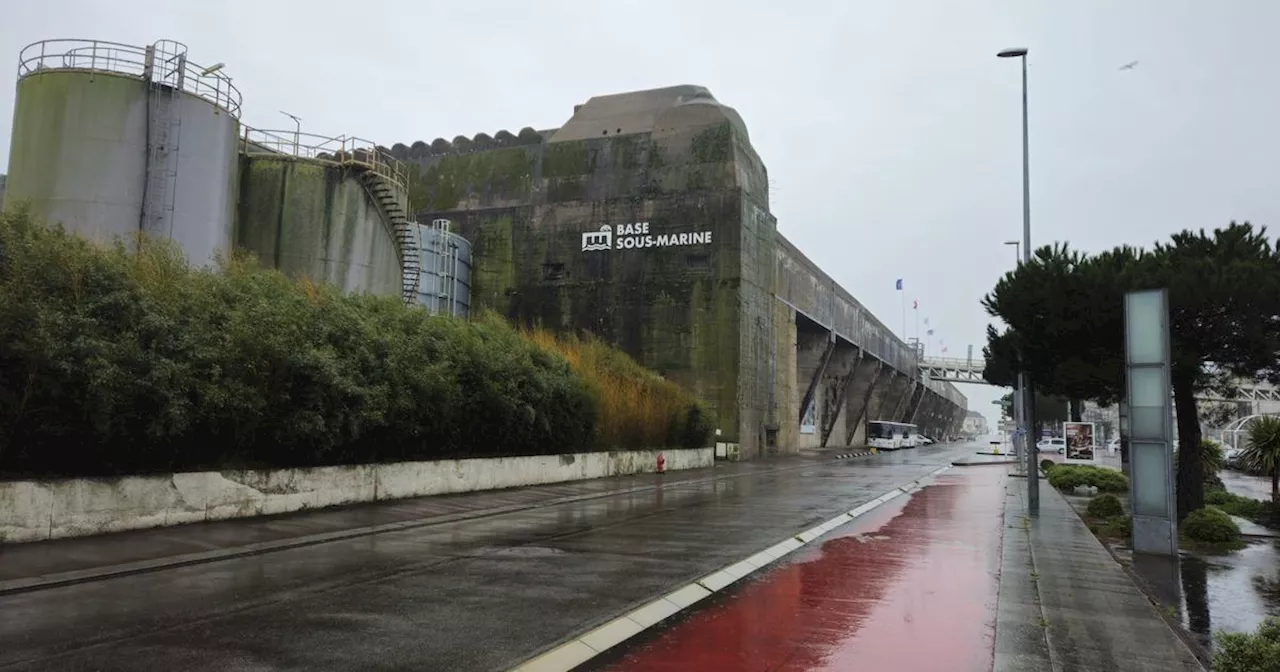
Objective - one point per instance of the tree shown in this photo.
(1262, 454)
(1065, 313)
(1224, 296)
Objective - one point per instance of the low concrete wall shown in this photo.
(36, 510)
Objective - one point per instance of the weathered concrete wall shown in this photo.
(718, 316)
(38, 510)
(685, 307)
(316, 221)
(858, 401)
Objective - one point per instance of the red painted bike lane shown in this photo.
(909, 587)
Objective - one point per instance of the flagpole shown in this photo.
(904, 314)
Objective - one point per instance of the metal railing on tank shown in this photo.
(342, 150)
(164, 62)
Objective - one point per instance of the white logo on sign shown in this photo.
(637, 236)
(598, 240)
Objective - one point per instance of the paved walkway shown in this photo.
(1067, 606)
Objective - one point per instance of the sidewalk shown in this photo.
(37, 565)
(1066, 605)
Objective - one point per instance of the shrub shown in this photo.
(1119, 526)
(117, 362)
(1068, 476)
(1245, 652)
(1046, 465)
(1210, 525)
(1104, 506)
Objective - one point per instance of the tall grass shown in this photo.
(637, 407)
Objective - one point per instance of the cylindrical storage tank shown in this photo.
(313, 219)
(112, 139)
(444, 284)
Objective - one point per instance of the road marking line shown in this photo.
(579, 650)
(687, 595)
(609, 634)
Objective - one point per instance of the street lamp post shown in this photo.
(297, 131)
(1017, 255)
(1019, 446)
(1024, 381)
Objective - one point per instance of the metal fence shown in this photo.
(164, 62)
(342, 150)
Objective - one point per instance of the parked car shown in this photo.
(1056, 445)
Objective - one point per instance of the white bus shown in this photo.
(885, 435)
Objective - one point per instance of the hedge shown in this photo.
(1068, 476)
(116, 362)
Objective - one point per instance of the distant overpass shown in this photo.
(969, 370)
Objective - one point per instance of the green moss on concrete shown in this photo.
(504, 174)
(50, 110)
(318, 222)
(561, 189)
(494, 270)
(562, 159)
(712, 145)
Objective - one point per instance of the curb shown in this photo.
(72, 577)
(845, 456)
(571, 654)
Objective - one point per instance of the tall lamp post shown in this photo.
(1024, 381)
(1020, 447)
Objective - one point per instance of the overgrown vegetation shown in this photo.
(1069, 476)
(638, 408)
(1046, 465)
(116, 362)
(1248, 652)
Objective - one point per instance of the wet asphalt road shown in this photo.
(481, 594)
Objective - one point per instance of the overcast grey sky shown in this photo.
(890, 130)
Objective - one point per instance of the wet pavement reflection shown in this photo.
(909, 587)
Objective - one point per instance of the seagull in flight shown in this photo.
(1129, 66)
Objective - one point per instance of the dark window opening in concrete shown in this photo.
(699, 261)
(552, 271)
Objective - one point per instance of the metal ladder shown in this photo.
(166, 66)
(403, 229)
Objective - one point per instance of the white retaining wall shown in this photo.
(36, 510)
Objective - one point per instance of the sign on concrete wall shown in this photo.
(1080, 443)
(637, 236)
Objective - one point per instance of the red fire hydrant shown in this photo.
(662, 464)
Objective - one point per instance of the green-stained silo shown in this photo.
(112, 139)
